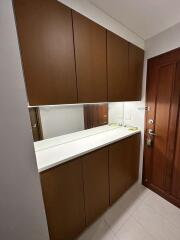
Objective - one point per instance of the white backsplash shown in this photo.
(116, 112)
(128, 113)
(134, 114)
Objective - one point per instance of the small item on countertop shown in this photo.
(113, 124)
(133, 128)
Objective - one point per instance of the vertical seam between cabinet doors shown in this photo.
(72, 19)
(109, 177)
(82, 170)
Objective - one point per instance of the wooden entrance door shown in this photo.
(161, 171)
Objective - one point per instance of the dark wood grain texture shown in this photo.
(46, 42)
(36, 124)
(76, 193)
(117, 67)
(64, 200)
(160, 170)
(176, 170)
(159, 160)
(96, 183)
(90, 52)
(136, 60)
(175, 187)
(123, 165)
(95, 115)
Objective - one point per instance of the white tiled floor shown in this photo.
(139, 215)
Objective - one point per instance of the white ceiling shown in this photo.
(144, 17)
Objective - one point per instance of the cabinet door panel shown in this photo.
(136, 60)
(96, 183)
(90, 52)
(123, 165)
(117, 63)
(64, 201)
(46, 42)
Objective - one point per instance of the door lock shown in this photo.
(149, 142)
(151, 121)
(150, 131)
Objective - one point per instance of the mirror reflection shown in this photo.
(52, 121)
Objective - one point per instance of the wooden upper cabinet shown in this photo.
(46, 41)
(90, 52)
(96, 183)
(136, 60)
(117, 65)
(63, 194)
(123, 165)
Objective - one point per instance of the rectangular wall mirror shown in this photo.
(52, 121)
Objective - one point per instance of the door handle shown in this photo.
(150, 131)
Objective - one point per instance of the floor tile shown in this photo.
(98, 231)
(132, 230)
(140, 214)
(156, 225)
(164, 208)
(120, 212)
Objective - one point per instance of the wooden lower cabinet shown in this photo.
(123, 165)
(96, 183)
(76, 193)
(62, 188)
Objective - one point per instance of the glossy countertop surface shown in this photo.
(55, 151)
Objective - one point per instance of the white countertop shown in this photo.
(55, 151)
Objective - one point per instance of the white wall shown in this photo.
(97, 15)
(163, 42)
(134, 114)
(116, 112)
(61, 119)
(22, 213)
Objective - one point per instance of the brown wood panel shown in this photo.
(163, 105)
(36, 124)
(173, 122)
(123, 165)
(95, 115)
(176, 170)
(64, 200)
(136, 60)
(90, 52)
(46, 42)
(117, 65)
(175, 188)
(161, 166)
(96, 183)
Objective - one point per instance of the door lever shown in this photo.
(150, 131)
